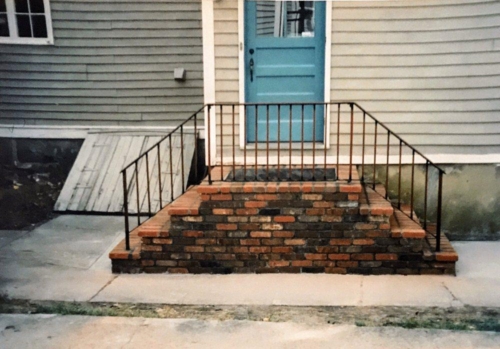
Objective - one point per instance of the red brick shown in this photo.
(151, 248)
(271, 188)
(277, 264)
(249, 242)
(315, 211)
(312, 197)
(386, 257)
(223, 211)
(335, 270)
(283, 234)
(272, 226)
(364, 226)
(162, 241)
(381, 211)
(266, 197)
(192, 233)
(339, 257)
(259, 188)
(363, 242)
(247, 211)
(384, 226)
(347, 264)
(205, 197)
(295, 242)
(260, 234)
(362, 256)
(284, 219)
(315, 256)
(302, 263)
(239, 249)
(322, 204)
(350, 188)
(215, 249)
(343, 242)
(208, 189)
(147, 263)
(178, 270)
(255, 204)
(194, 249)
(206, 242)
(307, 187)
(249, 226)
(353, 197)
(281, 249)
(225, 188)
(222, 197)
(446, 257)
(260, 249)
(295, 188)
(376, 234)
(229, 226)
(224, 257)
(331, 219)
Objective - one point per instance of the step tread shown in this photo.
(372, 202)
(404, 226)
(188, 204)
(120, 253)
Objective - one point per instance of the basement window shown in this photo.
(25, 22)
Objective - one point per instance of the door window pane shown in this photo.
(285, 18)
(22, 6)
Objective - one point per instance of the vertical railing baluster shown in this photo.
(325, 150)
(148, 183)
(363, 149)
(425, 193)
(137, 193)
(267, 142)
(182, 160)
(399, 179)
(314, 144)
(234, 145)
(387, 165)
(256, 138)
(338, 137)
(196, 147)
(159, 176)
(375, 156)
(412, 182)
(351, 142)
(221, 143)
(125, 209)
(290, 147)
(302, 145)
(245, 138)
(279, 141)
(209, 136)
(439, 207)
(171, 168)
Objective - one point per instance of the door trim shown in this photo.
(241, 67)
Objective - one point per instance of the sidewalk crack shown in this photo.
(455, 299)
(103, 287)
(361, 292)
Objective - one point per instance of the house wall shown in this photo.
(427, 69)
(111, 63)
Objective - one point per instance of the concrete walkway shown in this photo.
(67, 259)
(52, 331)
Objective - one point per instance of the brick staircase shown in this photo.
(337, 227)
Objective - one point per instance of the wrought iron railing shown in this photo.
(149, 192)
(298, 142)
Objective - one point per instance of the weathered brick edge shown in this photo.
(310, 227)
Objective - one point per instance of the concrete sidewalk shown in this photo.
(67, 259)
(52, 331)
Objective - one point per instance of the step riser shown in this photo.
(287, 231)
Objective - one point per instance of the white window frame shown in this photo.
(14, 37)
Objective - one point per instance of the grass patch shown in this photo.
(474, 324)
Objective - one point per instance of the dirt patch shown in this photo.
(462, 318)
(32, 173)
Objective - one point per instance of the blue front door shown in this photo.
(284, 60)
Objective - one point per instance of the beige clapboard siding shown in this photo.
(111, 64)
(429, 69)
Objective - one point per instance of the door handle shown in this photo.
(251, 65)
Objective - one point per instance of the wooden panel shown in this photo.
(95, 182)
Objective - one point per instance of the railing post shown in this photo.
(375, 156)
(148, 184)
(387, 166)
(351, 142)
(182, 160)
(209, 136)
(363, 149)
(439, 207)
(425, 193)
(125, 209)
(412, 182)
(221, 142)
(314, 144)
(137, 194)
(234, 145)
(159, 176)
(302, 145)
(196, 146)
(399, 178)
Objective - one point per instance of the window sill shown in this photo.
(26, 41)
